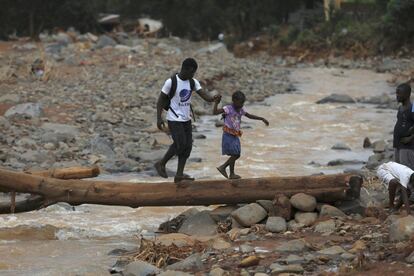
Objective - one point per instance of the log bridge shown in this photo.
(47, 189)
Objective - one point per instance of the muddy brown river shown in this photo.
(60, 241)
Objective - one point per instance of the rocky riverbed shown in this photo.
(94, 103)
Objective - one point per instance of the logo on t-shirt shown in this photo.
(185, 95)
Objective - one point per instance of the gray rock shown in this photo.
(10, 98)
(102, 146)
(330, 211)
(292, 246)
(379, 146)
(132, 151)
(337, 98)
(221, 213)
(218, 271)
(140, 268)
(374, 161)
(151, 156)
(120, 165)
(26, 143)
(293, 268)
(350, 207)
(62, 129)
(201, 224)
(268, 206)
(333, 250)
(105, 41)
(250, 214)
(410, 258)
(294, 259)
(191, 262)
(340, 146)
(276, 224)
(343, 162)
(306, 218)
(347, 256)
(245, 248)
(402, 229)
(303, 202)
(325, 226)
(294, 226)
(26, 110)
(174, 273)
(367, 143)
(4, 123)
(56, 138)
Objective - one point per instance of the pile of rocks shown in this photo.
(295, 236)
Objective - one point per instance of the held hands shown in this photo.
(217, 98)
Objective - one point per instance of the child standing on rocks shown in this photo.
(231, 131)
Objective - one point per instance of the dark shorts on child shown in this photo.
(230, 144)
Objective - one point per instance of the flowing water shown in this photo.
(61, 241)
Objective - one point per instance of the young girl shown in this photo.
(231, 131)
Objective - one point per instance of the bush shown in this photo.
(398, 22)
(308, 38)
(290, 36)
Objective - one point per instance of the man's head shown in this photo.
(188, 68)
(403, 92)
(238, 99)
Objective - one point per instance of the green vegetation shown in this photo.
(371, 24)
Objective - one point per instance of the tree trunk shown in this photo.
(326, 188)
(69, 173)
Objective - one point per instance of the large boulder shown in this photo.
(330, 211)
(276, 224)
(337, 98)
(249, 215)
(303, 202)
(402, 229)
(192, 262)
(26, 110)
(201, 224)
(221, 213)
(306, 218)
(140, 268)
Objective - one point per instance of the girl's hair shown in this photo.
(238, 96)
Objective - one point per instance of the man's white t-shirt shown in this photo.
(390, 170)
(181, 101)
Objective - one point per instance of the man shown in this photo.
(394, 176)
(179, 116)
(403, 142)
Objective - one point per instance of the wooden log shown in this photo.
(69, 173)
(326, 188)
(32, 203)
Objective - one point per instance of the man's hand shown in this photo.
(406, 140)
(266, 122)
(160, 124)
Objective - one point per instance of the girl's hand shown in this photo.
(266, 122)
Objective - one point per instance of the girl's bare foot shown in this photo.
(234, 176)
(223, 171)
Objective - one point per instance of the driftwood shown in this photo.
(36, 202)
(326, 188)
(69, 173)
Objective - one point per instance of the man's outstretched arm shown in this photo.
(207, 97)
